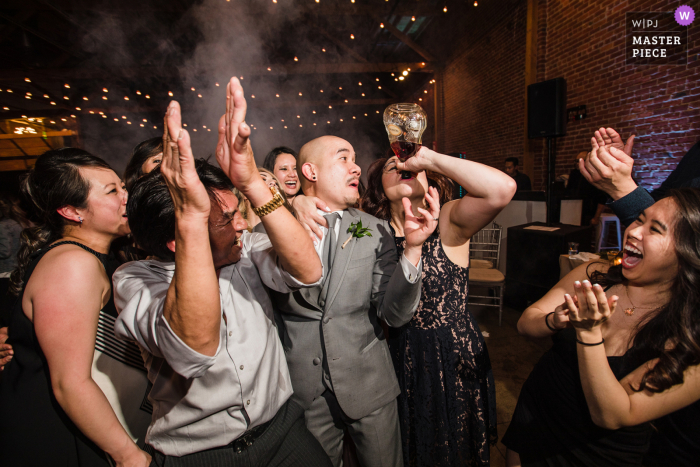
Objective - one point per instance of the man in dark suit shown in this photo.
(338, 358)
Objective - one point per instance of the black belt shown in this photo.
(239, 444)
(247, 439)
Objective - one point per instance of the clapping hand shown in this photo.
(233, 152)
(609, 164)
(591, 306)
(178, 169)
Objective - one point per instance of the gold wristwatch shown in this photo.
(271, 205)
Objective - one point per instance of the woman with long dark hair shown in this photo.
(59, 394)
(282, 162)
(588, 399)
(447, 405)
(145, 157)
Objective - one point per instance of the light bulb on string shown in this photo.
(170, 93)
(126, 98)
(147, 96)
(28, 80)
(105, 90)
(296, 59)
(66, 97)
(444, 10)
(104, 98)
(346, 101)
(476, 3)
(138, 93)
(66, 86)
(413, 18)
(352, 36)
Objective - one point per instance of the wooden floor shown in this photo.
(512, 359)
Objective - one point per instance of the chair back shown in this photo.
(486, 244)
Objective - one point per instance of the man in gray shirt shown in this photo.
(221, 388)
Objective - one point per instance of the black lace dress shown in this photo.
(447, 405)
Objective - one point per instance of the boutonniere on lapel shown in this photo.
(356, 230)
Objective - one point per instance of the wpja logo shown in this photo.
(684, 15)
(658, 38)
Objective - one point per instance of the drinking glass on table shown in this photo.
(573, 249)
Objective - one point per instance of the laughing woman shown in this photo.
(588, 400)
(447, 405)
(71, 388)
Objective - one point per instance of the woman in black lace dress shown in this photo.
(447, 405)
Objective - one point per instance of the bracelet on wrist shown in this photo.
(546, 321)
(587, 344)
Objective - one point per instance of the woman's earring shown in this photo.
(314, 178)
(80, 219)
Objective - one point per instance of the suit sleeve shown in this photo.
(393, 295)
(630, 206)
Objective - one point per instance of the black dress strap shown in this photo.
(101, 256)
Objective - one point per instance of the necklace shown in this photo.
(629, 311)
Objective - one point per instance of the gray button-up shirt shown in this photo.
(201, 402)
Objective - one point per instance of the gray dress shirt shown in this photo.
(201, 402)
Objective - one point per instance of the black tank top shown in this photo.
(34, 429)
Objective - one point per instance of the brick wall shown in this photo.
(584, 42)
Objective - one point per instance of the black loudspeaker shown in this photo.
(546, 109)
(532, 260)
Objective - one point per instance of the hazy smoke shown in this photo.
(232, 42)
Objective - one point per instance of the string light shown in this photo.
(28, 80)
(138, 92)
(46, 96)
(192, 89)
(476, 3)
(413, 18)
(379, 87)
(277, 95)
(147, 96)
(170, 93)
(66, 97)
(66, 86)
(401, 78)
(405, 73)
(300, 94)
(52, 103)
(296, 59)
(381, 25)
(216, 84)
(104, 98)
(444, 10)
(323, 50)
(126, 98)
(78, 108)
(199, 95)
(352, 36)
(313, 111)
(252, 96)
(85, 98)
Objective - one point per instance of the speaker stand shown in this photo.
(550, 178)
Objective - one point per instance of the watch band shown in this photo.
(271, 205)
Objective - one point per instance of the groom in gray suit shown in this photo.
(338, 358)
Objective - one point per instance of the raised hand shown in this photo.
(608, 168)
(188, 194)
(592, 307)
(418, 229)
(420, 161)
(610, 138)
(234, 152)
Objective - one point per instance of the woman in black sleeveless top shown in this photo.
(52, 412)
(590, 398)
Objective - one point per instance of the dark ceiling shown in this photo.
(304, 61)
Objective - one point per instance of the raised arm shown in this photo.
(614, 404)
(192, 306)
(293, 245)
(489, 190)
(60, 308)
(608, 166)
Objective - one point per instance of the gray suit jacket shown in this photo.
(366, 284)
